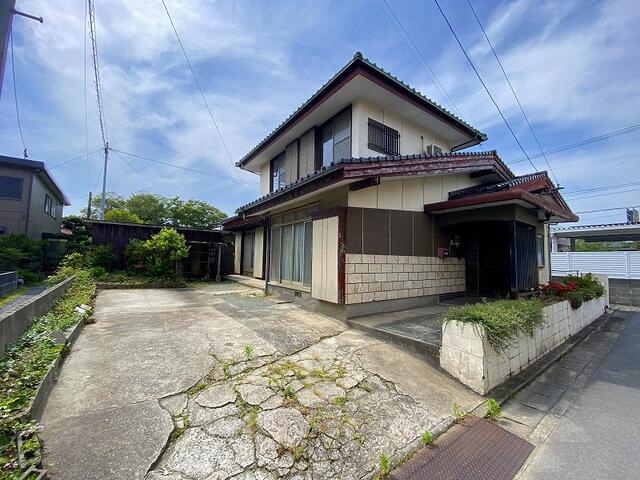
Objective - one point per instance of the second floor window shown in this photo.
(49, 206)
(383, 139)
(278, 174)
(336, 138)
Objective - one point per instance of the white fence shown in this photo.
(613, 264)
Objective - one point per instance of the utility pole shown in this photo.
(104, 182)
(89, 207)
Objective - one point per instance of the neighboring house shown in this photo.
(368, 204)
(31, 201)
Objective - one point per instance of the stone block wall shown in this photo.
(467, 355)
(374, 278)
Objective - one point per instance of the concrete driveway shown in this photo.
(222, 382)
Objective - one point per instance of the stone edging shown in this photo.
(13, 324)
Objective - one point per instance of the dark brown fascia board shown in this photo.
(505, 195)
(356, 67)
(382, 168)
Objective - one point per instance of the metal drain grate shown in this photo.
(477, 449)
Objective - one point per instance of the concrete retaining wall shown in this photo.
(624, 291)
(374, 278)
(8, 283)
(467, 355)
(14, 323)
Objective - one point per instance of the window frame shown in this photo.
(279, 161)
(51, 211)
(389, 137)
(319, 137)
(540, 253)
(20, 181)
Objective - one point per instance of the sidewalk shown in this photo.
(580, 414)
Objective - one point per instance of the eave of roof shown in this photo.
(91, 221)
(514, 194)
(37, 167)
(359, 60)
(401, 165)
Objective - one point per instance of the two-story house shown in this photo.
(31, 201)
(368, 203)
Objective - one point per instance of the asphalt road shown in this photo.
(599, 437)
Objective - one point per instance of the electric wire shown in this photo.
(596, 189)
(75, 158)
(604, 194)
(581, 143)
(15, 95)
(464, 51)
(96, 72)
(195, 78)
(608, 209)
(419, 57)
(188, 169)
(160, 189)
(506, 77)
(86, 115)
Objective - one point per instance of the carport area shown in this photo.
(224, 382)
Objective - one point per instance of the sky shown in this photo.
(573, 64)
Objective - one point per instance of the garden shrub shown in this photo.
(573, 288)
(97, 273)
(73, 260)
(502, 320)
(160, 255)
(20, 253)
(102, 256)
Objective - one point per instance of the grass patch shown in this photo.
(502, 320)
(27, 361)
(491, 409)
(12, 296)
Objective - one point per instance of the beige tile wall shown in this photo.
(374, 278)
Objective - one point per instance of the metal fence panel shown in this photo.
(613, 264)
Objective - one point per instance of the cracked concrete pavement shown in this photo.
(208, 383)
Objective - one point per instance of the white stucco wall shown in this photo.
(410, 193)
(410, 133)
(237, 259)
(264, 179)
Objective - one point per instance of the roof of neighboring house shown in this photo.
(609, 232)
(321, 94)
(91, 221)
(380, 166)
(535, 189)
(38, 168)
(240, 223)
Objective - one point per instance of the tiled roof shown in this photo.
(496, 187)
(358, 160)
(358, 57)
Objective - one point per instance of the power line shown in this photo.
(506, 77)
(195, 78)
(602, 161)
(160, 189)
(15, 94)
(86, 121)
(75, 158)
(581, 143)
(188, 169)
(604, 194)
(483, 84)
(96, 71)
(608, 209)
(428, 70)
(595, 189)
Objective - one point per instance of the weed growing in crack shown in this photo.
(197, 388)
(340, 401)
(426, 438)
(248, 352)
(289, 393)
(492, 409)
(384, 465)
(365, 386)
(458, 413)
(182, 423)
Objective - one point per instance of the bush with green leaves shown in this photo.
(102, 256)
(502, 320)
(160, 255)
(97, 273)
(492, 408)
(20, 253)
(73, 260)
(576, 289)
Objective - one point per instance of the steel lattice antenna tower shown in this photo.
(101, 116)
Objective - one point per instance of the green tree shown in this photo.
(79, 239)
(159, 255)
(149, 207)
(121, 215)
(112, 201)
(193, 214)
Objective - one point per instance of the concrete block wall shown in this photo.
(374, 278)
(8, 283)
(467, 355)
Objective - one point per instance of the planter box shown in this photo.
(467, 355)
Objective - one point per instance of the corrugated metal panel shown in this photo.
(614, 264)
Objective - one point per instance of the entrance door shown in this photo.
(247, 253)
